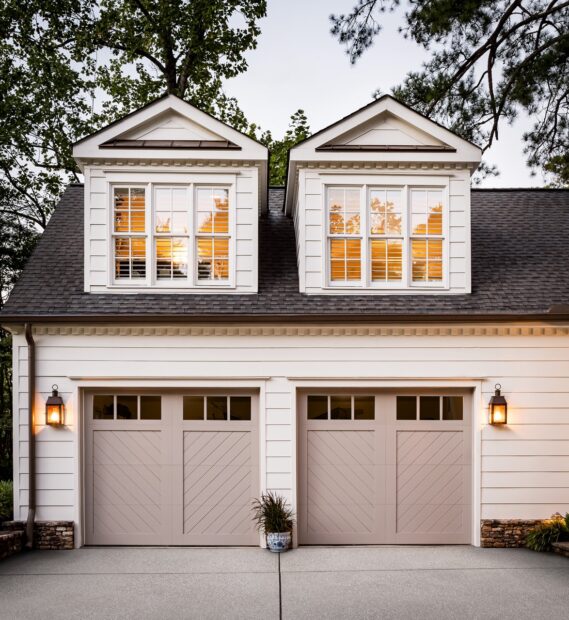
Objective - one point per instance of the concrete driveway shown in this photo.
(316, 582)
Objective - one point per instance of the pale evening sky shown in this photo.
(298, 64)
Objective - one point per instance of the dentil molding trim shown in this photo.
(307, 330)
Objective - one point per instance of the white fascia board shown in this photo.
(89, 148)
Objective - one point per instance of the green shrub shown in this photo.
(272, 514)
(6, 499)
(545, 534)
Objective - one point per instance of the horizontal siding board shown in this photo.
(234, 349)
(279, 464)
(50, 497)
(526, 448)
(533, 495)
(513, 432)
(49, 481)
(326, 367)
(535, 463)
(523, 479)
(522, 511)
(279, 448)
(49, 465)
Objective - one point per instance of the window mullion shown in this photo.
(364, 232)
(148, 229)
(192, 237)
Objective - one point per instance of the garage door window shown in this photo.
(340, 407)
(215, 407)
(126, 407)
(430, 408)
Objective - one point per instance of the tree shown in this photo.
(57, 55)
(56, 58)
(488, 61)
(17, 240)
(298, 130)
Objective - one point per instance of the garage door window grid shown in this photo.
(340, 407)
(127, 407)
(432, 408)
(217, 407)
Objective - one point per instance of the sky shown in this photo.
(298, 64)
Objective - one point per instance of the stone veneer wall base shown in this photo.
(502, 533)
(57, 535)
(11, 542)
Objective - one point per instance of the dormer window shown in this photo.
(386, 236)
(188, 244)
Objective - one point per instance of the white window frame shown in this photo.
(191, 183)
(173, 282)
(329, 237)
(366, 185)
(130, 283)
(197, 235)
(395, 284)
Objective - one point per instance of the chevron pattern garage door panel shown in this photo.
(126, 482)
(430, 482)
(218, 476)
(340, 482)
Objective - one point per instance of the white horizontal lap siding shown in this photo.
(97, 218)
(96, 212)
(524, 466)
(56, 462)
(247, 218)
(312, 235)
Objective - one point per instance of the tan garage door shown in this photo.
(170, 469)
(384, 468)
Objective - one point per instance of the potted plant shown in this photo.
(275, 519)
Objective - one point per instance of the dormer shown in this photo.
(172, 202)
(381, 205)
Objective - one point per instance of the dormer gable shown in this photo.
(172, 200)
(381, 204)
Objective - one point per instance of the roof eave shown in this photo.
(557, 314)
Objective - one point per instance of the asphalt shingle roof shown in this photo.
(520, 266)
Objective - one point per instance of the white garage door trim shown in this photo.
(167, 525)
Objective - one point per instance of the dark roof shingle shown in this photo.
(520, 266)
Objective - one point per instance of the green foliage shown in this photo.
(297, 131)
(558, 166)
(271, 514)
(6, 500)
(17, 240)
(545, 534)
(488, 60)
(57, 55)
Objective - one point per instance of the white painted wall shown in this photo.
(524, 467)
(244, 192)
(310, 225)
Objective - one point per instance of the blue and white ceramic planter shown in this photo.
(278, 541)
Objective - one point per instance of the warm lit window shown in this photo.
(344, 229)
(385, 236)
(189, 225)
(129, 232)
(212, 237)
(171, 232)
(427, 235)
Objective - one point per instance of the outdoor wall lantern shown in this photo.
(498, 407)
(54, 408)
